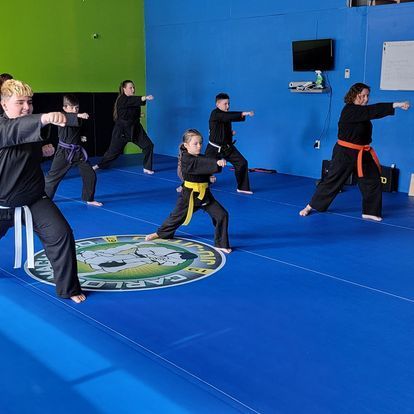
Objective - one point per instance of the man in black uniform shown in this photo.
(22, 186)
(353, 152)
(221, 145)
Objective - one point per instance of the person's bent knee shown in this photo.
(224, 216)
(148, 147)
(243, 163)
(61, 230)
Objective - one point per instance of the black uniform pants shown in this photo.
(121, 135)
(215, 210)
(60, 166)
(341, 167)
(57, 238)
(241, 168)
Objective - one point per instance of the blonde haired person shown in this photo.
(22, 188)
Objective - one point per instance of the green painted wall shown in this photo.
(50, 44)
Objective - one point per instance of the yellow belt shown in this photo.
(199, 188)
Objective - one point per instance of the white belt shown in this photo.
(18, 245)
(215, 145)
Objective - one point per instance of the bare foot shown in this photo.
(95, 167)
(244, 191)
(78, 298)
(94, 203)
(150, 172)
(151, 236)
(224, 250)
(369, 217)
(306, 211)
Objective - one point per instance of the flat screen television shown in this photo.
(310, 55)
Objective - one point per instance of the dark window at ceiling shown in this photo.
(356, 3)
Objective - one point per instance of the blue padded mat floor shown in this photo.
(307, 315)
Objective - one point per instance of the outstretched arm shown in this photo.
(229, 116)
(26, 129)
(73, 119)
(200, 165)
(362, 113)
(20, 130)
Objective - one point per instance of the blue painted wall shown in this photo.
(394, 136)
(196, 49)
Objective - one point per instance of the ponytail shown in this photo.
(120, 93)
(181, 149)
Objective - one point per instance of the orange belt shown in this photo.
(361, 149)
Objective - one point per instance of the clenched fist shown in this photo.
(48, 150)
(55, 118)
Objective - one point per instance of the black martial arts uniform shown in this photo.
(65, 158)
(221, 135)
(22, 183)
(128, 128)
(197, 169)
(355, 127)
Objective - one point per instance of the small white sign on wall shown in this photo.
(397, 69)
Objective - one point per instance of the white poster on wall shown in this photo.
(397, 68)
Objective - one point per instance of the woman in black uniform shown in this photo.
(127, 113)
(196, 171)
(353, 152)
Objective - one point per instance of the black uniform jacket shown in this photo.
(198, 169)
(21, 178)
(71, 132)
(129, 108)
(355, 125)
(219, 123)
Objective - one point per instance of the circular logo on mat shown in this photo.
(120, 263)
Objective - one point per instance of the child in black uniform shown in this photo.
(353, 152)
(221, 145)
(127, 113)
(71, 153)
(196, 171)
(22, 188)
